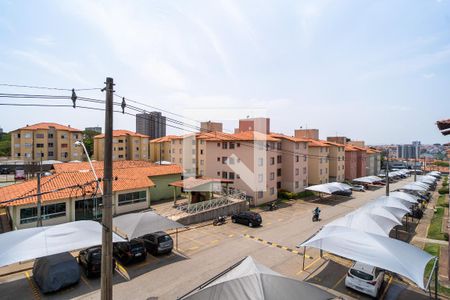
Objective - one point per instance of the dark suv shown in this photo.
(91, 259)
(128, 252)
(158, 242)
(249, 218)
(4, 171)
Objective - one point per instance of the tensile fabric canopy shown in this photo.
(404, 196)
(329, 188)
(414, 187)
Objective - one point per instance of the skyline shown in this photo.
(344, 68)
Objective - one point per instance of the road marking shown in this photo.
(230, 235)
(387, 287)
(338, 282)
(86, 281)
(122, 271)
(34, 288)
(316, 260)
(214, 242)
(272, 244)
(192, 248)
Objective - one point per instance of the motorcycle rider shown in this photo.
(316, 212)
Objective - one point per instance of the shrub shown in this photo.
(443, 190)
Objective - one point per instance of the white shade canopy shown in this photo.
(25, 244)
(329, 188)
(413, 187)
(391, 201)
(250, 280)
(386, 212)
(364, 180)
(404, 196)
(376, 250)
(398, 210)
(422, 184)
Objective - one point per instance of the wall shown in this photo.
(318, 161)
(350, 165)
(129, 207)
(307, 133)
(337, 163)
(290, 166)
(162, 190)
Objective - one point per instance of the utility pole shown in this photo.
(415, 166)
(160, 158)
(39, 199)
(387, 172)
(106, 268)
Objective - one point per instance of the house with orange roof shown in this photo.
(71, 193)
(161, 148)
(46, 141)
(127, 145)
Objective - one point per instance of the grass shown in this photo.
(434, 231)
(433, 249)
(441, 201)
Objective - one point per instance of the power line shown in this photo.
(47, 88)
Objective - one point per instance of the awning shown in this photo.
(364, 180)
(393, 202)
(250, 280)
(200, 183)
(25, 244)
(329, 188)
(404, 196)
(138, 224)
(413, 187)
(376, 250)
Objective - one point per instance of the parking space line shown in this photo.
(339, 281)
(316, 260)
(276, 245)
(34, 288)
(86, 281)
(122, 271)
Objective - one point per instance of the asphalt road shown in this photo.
(206, 251)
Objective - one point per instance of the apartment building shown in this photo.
(152, 124)
(211, 126)
(318, 162)
(161, 148)
(336, 161)
(46, 141)
(127, 145)
(294, 163)
(373, 162)
(351, 161)
(361, 160)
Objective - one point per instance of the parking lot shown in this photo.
(205, 250)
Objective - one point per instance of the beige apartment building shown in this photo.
(46, 141)
(161, 148)
(318, 162)
(127, 145)
(336, 161)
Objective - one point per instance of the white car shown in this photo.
(365, 278)
(358, 187)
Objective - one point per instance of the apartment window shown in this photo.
(279, 172)
(321, 160)
(120, 155)
(272, 175)
(131, 198)
(238, 144)
(120, 141)
(321, 172)
(114, 141)
(297, 146)
(18, 135)
(75, 136)
(260, 194)
(343, 167)
(304, 182)
(40, 135)
(272, 190)
(173, 159)
(27, 135)
(304, 146)
(279, 185)
(260, 177)
(297, 171)
(321, 149)
(28, 215)
(202, 162)
(320, 180)
(193, 142)
(224, 175)
(201, 142)
(193, 160)
(279, 159)
(218, 144)
(28, 155)
(136, 156)
(39, 145)
(173, 142)
(304, 158)
(272, 160)
(63, 136)
(18, 154)
(231, 175)
(224, 160)
(63, 145)
(137, 148)
(50, 145)
(181, 160)
(193, 151)
(326, 170)
(218, 159)
(297, 158)
(50, 153)
(339, 158)
(237, 176)
(28, 145)
(231, 160)
(201, 151)
(16, 145)
(296, 185)
(260, 161)
(120, 148)
(231, 145)
(218, 173)
(224, 145)
(180, 142)
(278, 146)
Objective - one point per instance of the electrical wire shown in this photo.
(48, 88)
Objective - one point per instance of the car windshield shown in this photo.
(96, 256)
(361, 274)
(164, 238)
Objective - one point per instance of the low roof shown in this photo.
(48, 125)
(25, 244)
(289, 138)
(122, 132)
(334, 144)
(192, 182)
(167, 138)
(349, 148)
(317, 143)
(328, 188)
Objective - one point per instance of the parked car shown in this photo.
(158, 242)
(4, 171)
(128, 252)
(249, 218)
(365, 278)
(343, 193)
(20, 175)
(358, 187)
(55, 272)
(91, 259)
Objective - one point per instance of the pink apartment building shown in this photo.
(351, 162)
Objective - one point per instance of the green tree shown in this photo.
(88, 140)
(5, 145)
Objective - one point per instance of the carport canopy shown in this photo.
(414, 187)
(328, 188)
(376, 250)
(135, 225)
(25, 244)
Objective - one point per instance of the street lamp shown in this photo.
(80, 143)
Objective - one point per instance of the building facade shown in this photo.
(46, 141)
(318, 162)
(152, 124)
(211, 126)
(127, 145)
(351, 163)
(161, 149)
(337, 161)
(94, 129)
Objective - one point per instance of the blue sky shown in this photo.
(372, 70)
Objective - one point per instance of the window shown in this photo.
(181, 160)
(321, 172)
(224, 175)
(28, 145)
(297, 158)
(40, 135)
(202, 162)
(193, 151)
(272, 175)
(304, 182)
(297, 146)
(27, 135)
(278, 146)
(201, 150)
(272, 160)
(131, 198)
(321, 160)
(279, 172)
(326, 170)
(120, 148)
(224, 160)
(260, 177)
(224, 145)
(50, 145)
(321, 149)
(231, 175)
(260, 161)
(120, 141)
(218, 144)
(297, 171)
(231, 160)
(296, 185)
(28, 155)
(39, 145)
(304, 158)
(193, 160)
(218, 159)
(63, 136)
(120, 155)
(320, 179)
(18, 135)
(50, 153)
(231, 145)
(193, 142)
(28, 215)
(63, 145)
(238, 144)
(173, 159)
(237, 176)
(16, 145)
(201, 142)
(279, 185)
(18, 154)
(260, 194)
(75, 136)
(272, 191)
(218, 173)
(279, 159)
(137, 148)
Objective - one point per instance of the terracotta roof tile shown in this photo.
(316, 143)
(48, 125)
(122, 132)
(166, 138)
(290, 138)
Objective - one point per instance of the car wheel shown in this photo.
(250, 224)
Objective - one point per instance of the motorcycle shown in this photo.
(272, 206)
(315, 217)
(220, 220)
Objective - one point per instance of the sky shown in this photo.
(377, 71)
